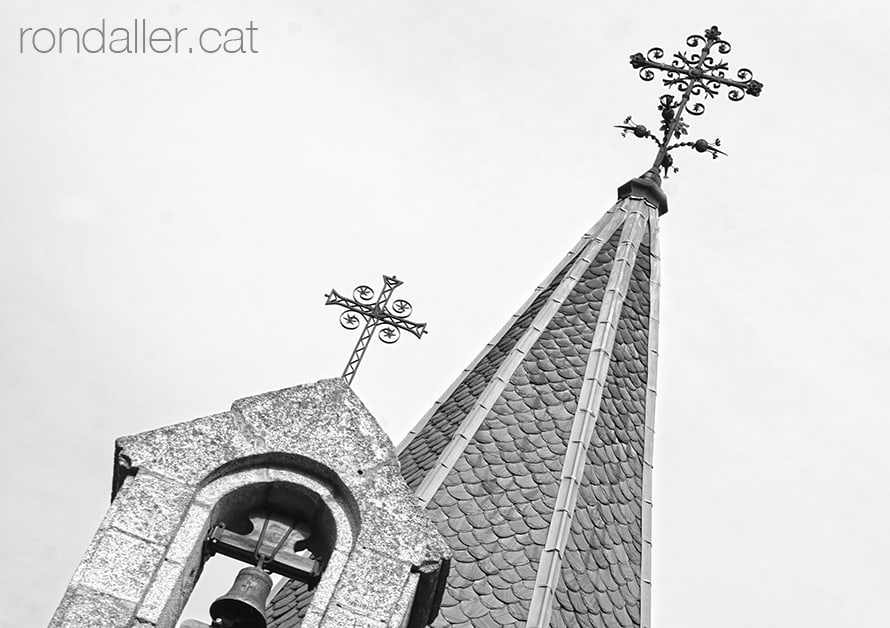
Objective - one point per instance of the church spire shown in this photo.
(535, 463)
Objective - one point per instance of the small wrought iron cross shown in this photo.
(694, 74)
(376, 313)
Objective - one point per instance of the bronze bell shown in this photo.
(244, 606)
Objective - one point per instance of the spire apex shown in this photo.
(646, 186)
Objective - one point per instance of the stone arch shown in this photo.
(234, 494)
(318, 439)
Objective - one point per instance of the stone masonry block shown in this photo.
(150, 507)
(403, 606)
(121, 565)
(220, 487)
(188, 452)
(85, 608)
(325, 421)
(325, 590)
(372, 583)
(165, 596)
(190, 535)
(391, 522)
(342, 617)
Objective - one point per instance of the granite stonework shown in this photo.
(170, 484)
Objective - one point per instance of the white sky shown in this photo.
(170, 224)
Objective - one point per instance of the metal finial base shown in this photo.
(648, 186)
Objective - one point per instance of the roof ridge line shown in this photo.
(589, 235)
(584, 421)
(648, 421)
(452, 452)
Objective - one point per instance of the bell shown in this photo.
(245, 604)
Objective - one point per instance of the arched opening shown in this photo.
(285, 523)
(285, 528)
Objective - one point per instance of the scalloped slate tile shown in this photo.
(603, 553)
(495, 505)
(513, 482)
(421, 454)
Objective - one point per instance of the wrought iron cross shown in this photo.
(695, 73)
(376, 313)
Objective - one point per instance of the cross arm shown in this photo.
(745, 82)
(373, 312)
(638, 61)
(418, 329)
(335, 298)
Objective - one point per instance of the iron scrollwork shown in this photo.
(387, 320)
(695, 74)
(349, 320)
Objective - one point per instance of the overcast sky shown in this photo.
(169, 225)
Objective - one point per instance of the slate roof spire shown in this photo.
(535, 464)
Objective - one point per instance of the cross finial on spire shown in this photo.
(391, 319)
(694, 74)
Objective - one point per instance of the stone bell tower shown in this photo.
(301, 481)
